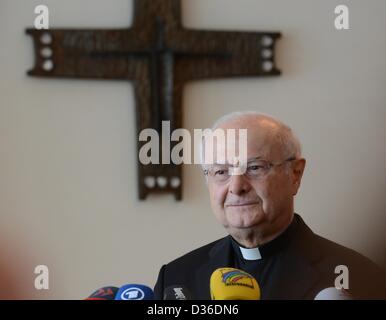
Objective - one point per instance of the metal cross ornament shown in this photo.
(159, 55)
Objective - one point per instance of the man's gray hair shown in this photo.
(285, 135)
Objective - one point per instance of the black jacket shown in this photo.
(307, 266)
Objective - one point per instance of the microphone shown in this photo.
(134, 292)
(177, 293)
(333, 293)
(105, 293)
(233, 284)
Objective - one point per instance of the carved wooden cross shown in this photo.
(159, 55)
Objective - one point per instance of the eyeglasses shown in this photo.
(255, 169)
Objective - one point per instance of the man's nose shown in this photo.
(239, 184)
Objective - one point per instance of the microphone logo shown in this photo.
(237, 278)
(179, 294)
(132, 294)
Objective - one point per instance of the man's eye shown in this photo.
(219, 172)
(255, 168)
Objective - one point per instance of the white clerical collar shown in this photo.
(251, 254)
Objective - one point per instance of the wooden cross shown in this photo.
(160, 56)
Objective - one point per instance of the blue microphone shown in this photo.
(134, 292)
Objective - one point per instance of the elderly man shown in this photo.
(266, 238)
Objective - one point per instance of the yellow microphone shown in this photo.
(233, 284)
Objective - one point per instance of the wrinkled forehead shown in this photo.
(235, 142)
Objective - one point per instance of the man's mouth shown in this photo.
(241, 204)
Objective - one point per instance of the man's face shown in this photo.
(243, 202)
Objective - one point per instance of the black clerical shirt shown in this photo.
(298, 264)
(265, 267)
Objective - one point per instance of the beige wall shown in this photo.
(68, 196)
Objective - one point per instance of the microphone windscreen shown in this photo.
(105, 293)
(134, 292)
(333, 293)
(233, 284)
(177, 293)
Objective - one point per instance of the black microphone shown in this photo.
(177, 292)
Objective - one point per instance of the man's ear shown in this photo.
(298, 166)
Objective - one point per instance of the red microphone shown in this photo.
(105, 293)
